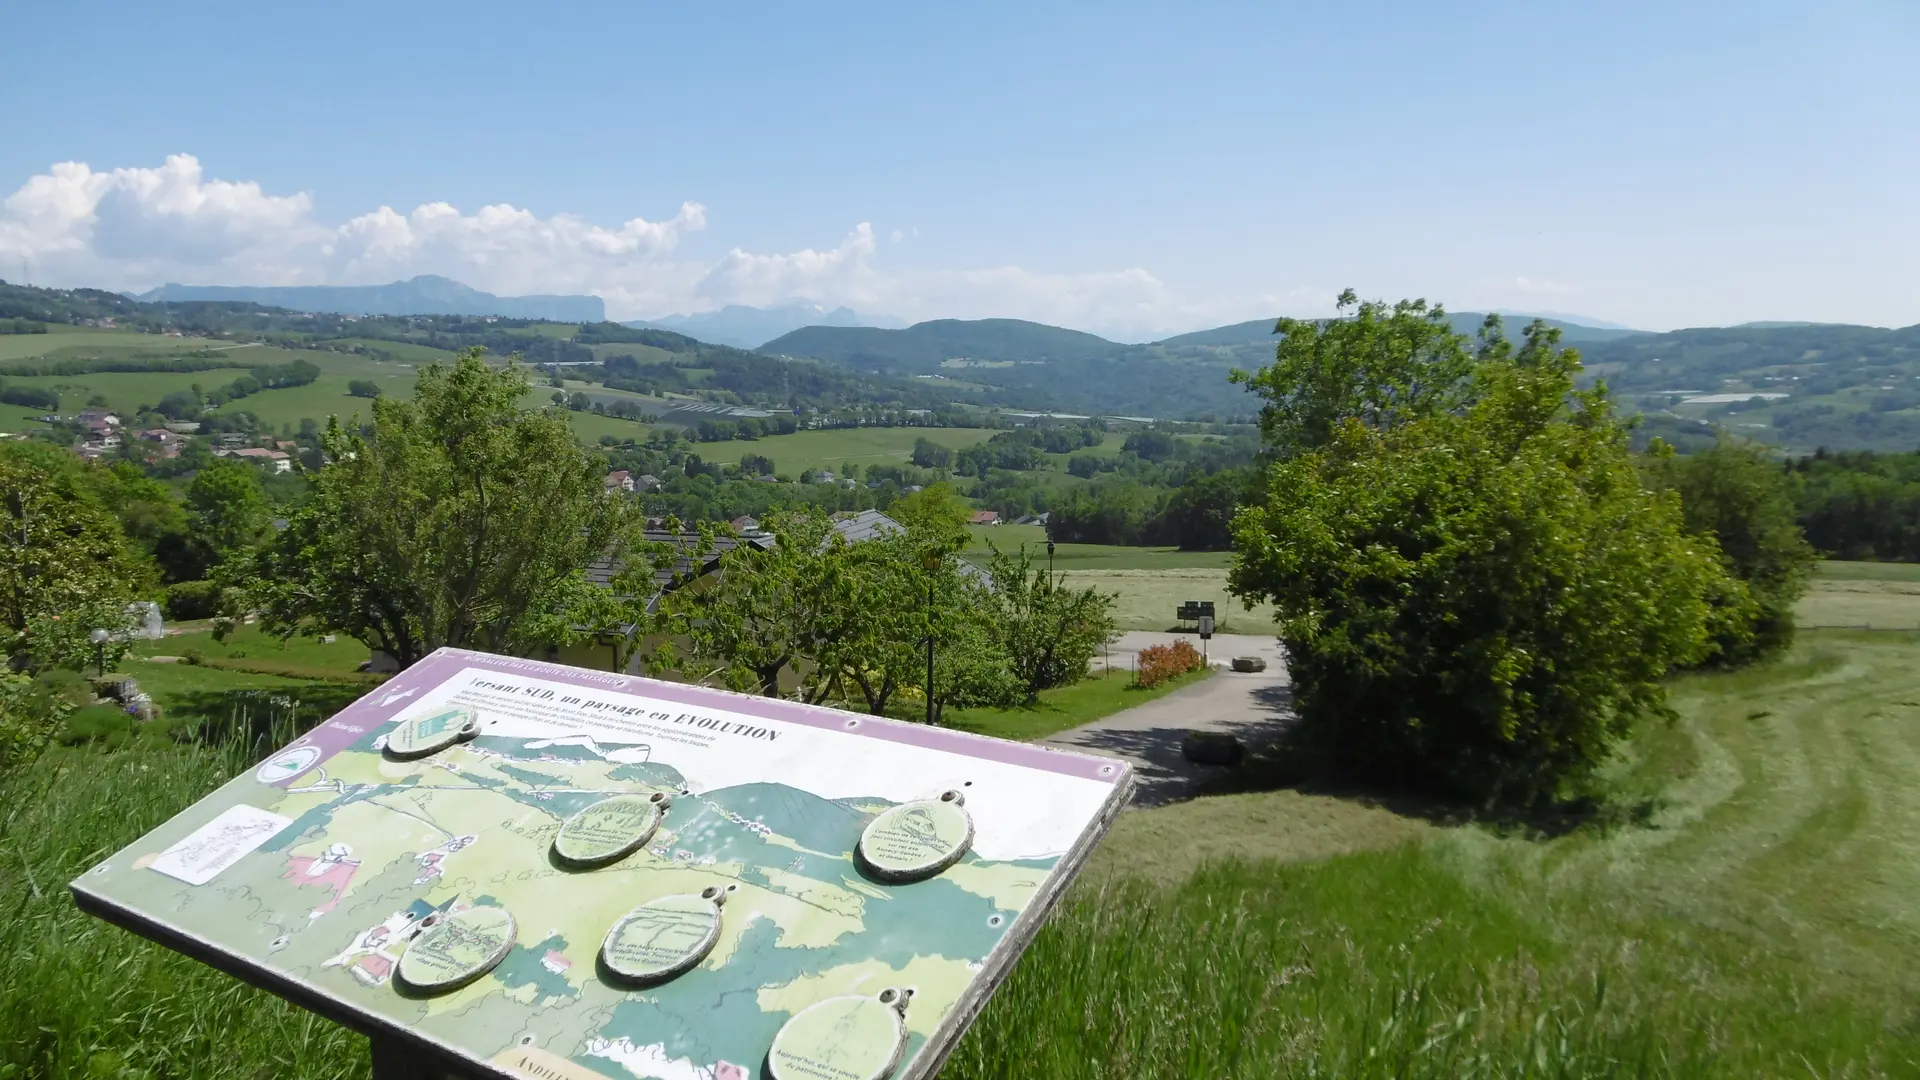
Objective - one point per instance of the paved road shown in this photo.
(1255, 707)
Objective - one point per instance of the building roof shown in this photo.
(602, 571)
(865, 525)
(985, 517)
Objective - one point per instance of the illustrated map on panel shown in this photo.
(321, 865)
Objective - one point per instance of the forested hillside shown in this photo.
(1799, 387)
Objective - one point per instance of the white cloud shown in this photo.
(133, 228)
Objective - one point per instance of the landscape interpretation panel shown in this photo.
(312, 873)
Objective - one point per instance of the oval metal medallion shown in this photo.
(610, 829)
(453, 949)
(918, 839)
(665, 937)
(848, 1038)
(435, 731)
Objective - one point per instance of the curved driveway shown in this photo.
(1254, 707)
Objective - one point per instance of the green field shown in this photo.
(1835, 570)
(1089, 556)
(1149, 599)
(73, 343)
(832, 447)
(402, 351)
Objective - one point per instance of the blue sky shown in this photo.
(1132, 170)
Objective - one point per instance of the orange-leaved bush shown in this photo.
(1158, 663)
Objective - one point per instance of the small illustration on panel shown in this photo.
(855, 1037)
(609, 830)
(916, 840)
(664, 937)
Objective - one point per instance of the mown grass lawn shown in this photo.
(1063, 707)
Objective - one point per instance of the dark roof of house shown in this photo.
(603, 570)
(866, 525)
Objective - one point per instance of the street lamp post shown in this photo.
(99, 639)
(1049, 562)
(931, 561)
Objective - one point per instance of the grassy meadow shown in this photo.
(832, 447)
(1860, 595)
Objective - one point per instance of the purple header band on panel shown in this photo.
(348, 725)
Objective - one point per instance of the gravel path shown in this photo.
(1253, 706)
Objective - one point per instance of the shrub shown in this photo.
(108, 722)
(26, 722)
(1483, 598)
(33, 397)
(1158, 663)
(192, 600)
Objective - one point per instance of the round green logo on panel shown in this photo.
(453, 949)
(842, 1038)
(916, 840)
(610, 829)
(664, 937)
(423, 735)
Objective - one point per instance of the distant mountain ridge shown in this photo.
(928, 344)
(1465, 322)
(426, 294)
(748, 327)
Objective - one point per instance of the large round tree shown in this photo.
(459, 518)
(1477, 592)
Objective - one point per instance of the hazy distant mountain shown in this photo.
(747, 327)
(1465, 322)
(924, 346)
(423, 295)
(1586, 321)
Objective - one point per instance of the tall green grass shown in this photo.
(80, 998)
(1760, 923)
(1389, 964)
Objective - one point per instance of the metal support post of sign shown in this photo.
(398, 1059)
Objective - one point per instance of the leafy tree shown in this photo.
(1480, 598)
(1374, 365)
(938, 511)
(1744, 501)
(152, 517)
(1860, 505)
(1112, 510)
(367, 388)
(181, 405)
(227, 509)
(767, 610)
(456, 520)
(970, 664)
(1199, 515)
(928, 454)
(1050, 633)
(32, 397)
(66, 568)
(1151, 445)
